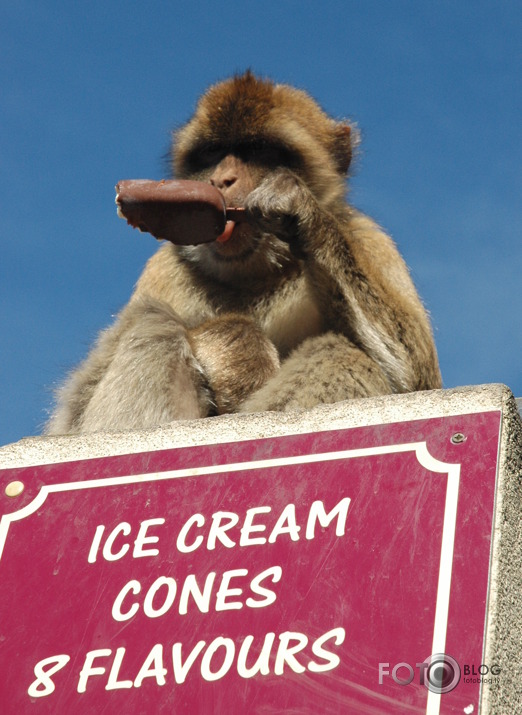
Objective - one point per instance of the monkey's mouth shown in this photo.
(234, 214)
(235, 243)
(227, 233)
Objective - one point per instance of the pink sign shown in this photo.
(314, 573)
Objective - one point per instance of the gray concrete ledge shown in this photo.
(226, 428)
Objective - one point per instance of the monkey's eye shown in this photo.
(267, 154)
(264, 154)
(205, 157)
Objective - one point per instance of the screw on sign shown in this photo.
(269, 575)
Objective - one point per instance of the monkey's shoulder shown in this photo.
(168, 279)
(377, 255)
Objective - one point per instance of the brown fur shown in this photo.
(308, 303)
(236, 356)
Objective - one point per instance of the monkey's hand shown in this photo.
(281, 205)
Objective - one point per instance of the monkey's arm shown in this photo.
(362, 284)
(149, 369)
(141, 372)
(367, 292)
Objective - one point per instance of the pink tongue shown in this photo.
(227, 233)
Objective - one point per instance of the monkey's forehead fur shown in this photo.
(247, 108)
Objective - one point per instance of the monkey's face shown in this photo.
(236, 172)
(235, 177)
(244, 133)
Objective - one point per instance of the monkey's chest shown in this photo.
(290, 317)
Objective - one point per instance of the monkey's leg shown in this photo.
(141, 373)
(322, 370)
(236, 357)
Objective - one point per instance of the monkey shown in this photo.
(309, 302)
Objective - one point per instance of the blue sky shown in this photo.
(91, 91)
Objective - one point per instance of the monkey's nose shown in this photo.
(223, 180)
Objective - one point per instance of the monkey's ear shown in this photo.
(346, 140)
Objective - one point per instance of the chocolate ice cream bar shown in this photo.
(183, 212)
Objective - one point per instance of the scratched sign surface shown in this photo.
(312, 573)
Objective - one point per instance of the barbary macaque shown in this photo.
(307, 302)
